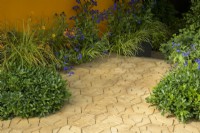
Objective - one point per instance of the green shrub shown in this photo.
(179, 93)
(130, 24)
(31, 92)
(187, 40)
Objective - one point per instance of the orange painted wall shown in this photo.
(16, 10)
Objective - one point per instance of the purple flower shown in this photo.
(66, 68)
(82, 37)
(132, 2)
(76, 49)
(178, 51)
(175, 44)
(70, 73)
(115, 6)
(93, 2)
(70, 36)
(65, 57)
(93, 17)
(75, 8)
(79, 56)
(186, 63)
(94, 12)
(139, 22)
(198, 62)
(78, 1)
(98, 21)
(72, 18)
(185, 54)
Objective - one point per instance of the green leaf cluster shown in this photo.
(31, 92)
(179, 93)
(187, 40)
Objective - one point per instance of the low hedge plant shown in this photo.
(31, 92)
(179, 93)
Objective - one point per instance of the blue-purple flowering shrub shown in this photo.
(83, 40)
(185, 45)
(178, 93)
(131, 23)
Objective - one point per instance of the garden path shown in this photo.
(108, 96)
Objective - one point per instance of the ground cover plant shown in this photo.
(178, 93)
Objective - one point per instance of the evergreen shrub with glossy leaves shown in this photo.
(34, 92)
(179, 93)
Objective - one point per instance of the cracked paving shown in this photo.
(108, 96)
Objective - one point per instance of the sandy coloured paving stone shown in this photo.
(132, 78)
(143, 108)
(94, 109)
(137, 90)
(14, 122)
(69, 129)
(95, 91)
(129, 99)
(104, 100)
(5, 124)
(23, 124)
(82, 120)
(96, 128)
(69, 110)
(32, 129)
(116, 109)
(81, 100)
(182, 128)
(156, 128)
(123, 127)
(158, 119)
(108, 96)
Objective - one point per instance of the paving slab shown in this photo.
(108, 96)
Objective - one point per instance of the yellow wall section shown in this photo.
(17, 10)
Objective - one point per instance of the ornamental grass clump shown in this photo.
(130, 24)
(21, 49)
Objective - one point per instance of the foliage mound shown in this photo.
(179, 93)
(31, 92)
